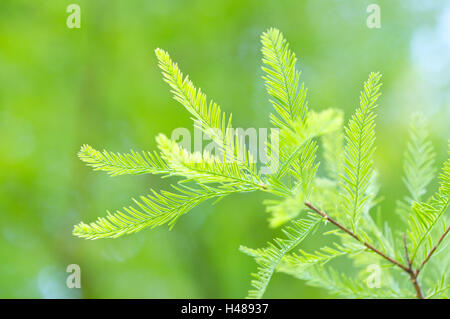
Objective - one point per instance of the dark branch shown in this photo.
(408, 260)
(432, 251)
(411, 273)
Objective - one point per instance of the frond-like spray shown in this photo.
(269, 258)
(359, 149)
(342, 198)
(288, 97)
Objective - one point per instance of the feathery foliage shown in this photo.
(428, 215)
(207, 116)
(419, 160)
(333, 150)
(268, 258)
(152, 210)
(120, 164)
(360, 138)
(282, 80)
(340, 285)
(206, 168)
(325, 254)
(418, 166)
(339, 204)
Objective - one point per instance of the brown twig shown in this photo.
(409, 270)
(416, 285)
(406, 252)
(432, 251)
(412, 274)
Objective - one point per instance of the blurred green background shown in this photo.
(61, 88)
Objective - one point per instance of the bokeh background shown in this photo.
(61, 88)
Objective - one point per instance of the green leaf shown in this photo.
(119, 164)
(341, 285)
(419, 160)
(418, 166)
(268, 258)
(283, 210)
(333, 152)
(427, 215)
(282, 80)
(207, 116)
(151, 211)
(299, 262)
(298, 138)
(359, 149)
(206, 168)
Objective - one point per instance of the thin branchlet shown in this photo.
(407, 269)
